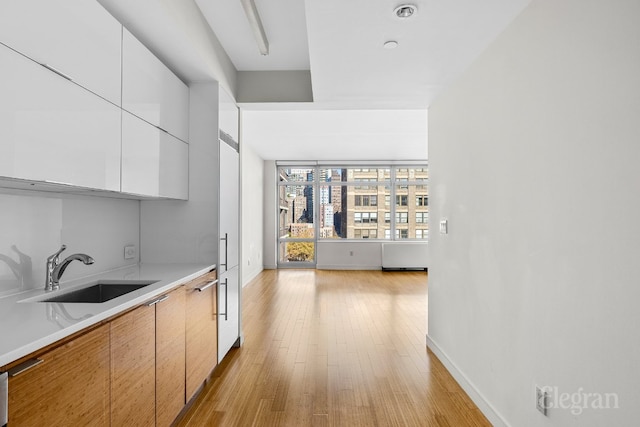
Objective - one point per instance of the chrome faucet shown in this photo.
(55, 268)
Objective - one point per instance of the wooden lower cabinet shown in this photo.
(139, 368)
(201, 331)
(133, 368)
(170, 357)
(70, 387)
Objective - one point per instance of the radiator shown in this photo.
(404, 256)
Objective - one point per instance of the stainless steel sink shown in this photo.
(102, 291)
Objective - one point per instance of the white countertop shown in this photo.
(27, 326)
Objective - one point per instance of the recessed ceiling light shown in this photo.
(405, 11)
(391, 44)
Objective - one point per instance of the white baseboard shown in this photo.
(251, 275)
(485, 407)
(346, 267)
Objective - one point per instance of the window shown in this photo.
(402, 217)
(366, 233)
(422, 234)
(324, 202)
(402, 234)
(366, 200)
(365, 217)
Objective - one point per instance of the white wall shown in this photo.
(274, 86)
(187, 232)
(37, 224)
(342, 135)
(533, 160)
(252, 182)
(270, 224)
(348, 255)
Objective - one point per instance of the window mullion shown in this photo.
(393, 202)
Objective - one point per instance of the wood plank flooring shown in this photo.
(333, 348)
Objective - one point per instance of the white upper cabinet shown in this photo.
(78, 38)
(53, 130)
(151, 91)
(228, 116)
(154, 163)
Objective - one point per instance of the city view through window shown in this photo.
(317, 203)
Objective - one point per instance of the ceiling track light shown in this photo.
(405, 11)
(256, 26)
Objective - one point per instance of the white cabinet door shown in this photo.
(229, 206)
(228, 115)
(154, 163)
(151, 91)
(228, 311)
(228, 289)
(53, 130)
(79, 38)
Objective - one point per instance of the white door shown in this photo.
(228, 285)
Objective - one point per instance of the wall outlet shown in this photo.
(541, 400)
(130, 252)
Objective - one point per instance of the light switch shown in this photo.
(444, 226)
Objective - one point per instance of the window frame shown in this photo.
(390, 187)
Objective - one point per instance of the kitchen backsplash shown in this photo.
(34, 225)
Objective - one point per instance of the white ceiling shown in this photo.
(342, 44)
(283, 21)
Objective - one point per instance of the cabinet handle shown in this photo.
(58, 72)
(157, 300)
(207, 286)
(226, 250)
(226, 299)
(24, 366)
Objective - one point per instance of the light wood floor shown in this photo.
(333, 348)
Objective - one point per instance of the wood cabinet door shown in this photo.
(133, 368)
(170, 357)
(70, 387)
(201, 331)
